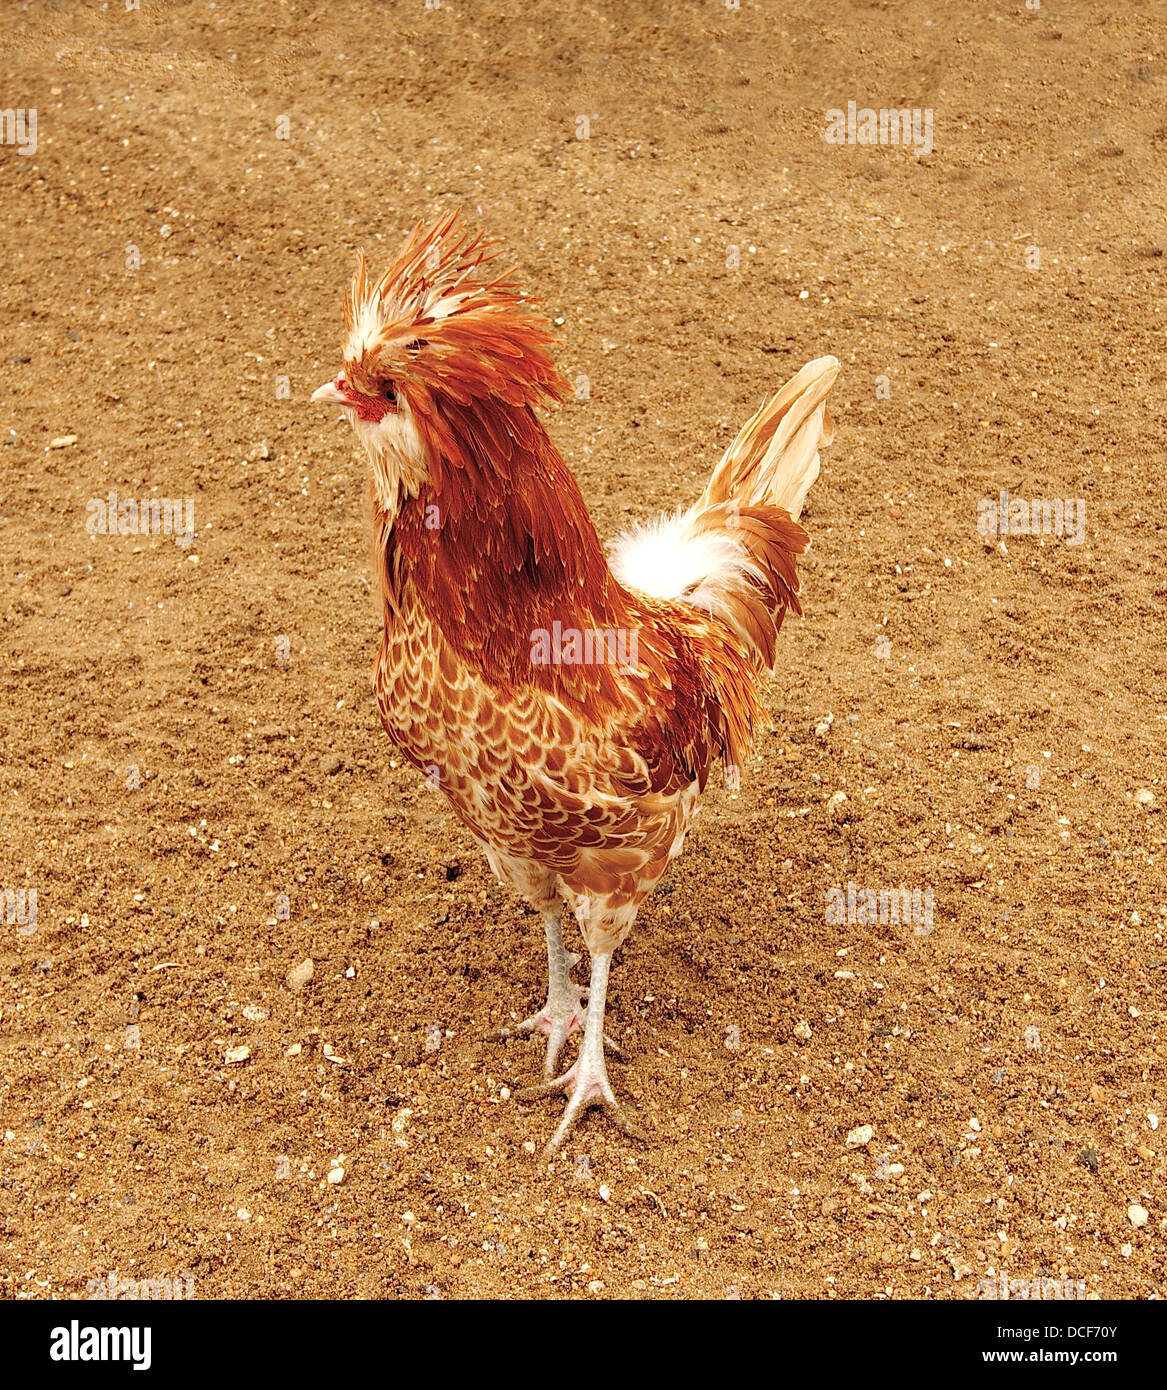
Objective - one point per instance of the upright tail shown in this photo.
(732, 553)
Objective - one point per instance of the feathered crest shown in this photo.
(440, 318)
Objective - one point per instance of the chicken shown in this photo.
(570, 709)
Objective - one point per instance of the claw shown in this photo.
(585, 1088)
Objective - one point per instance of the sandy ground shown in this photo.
(195, 786)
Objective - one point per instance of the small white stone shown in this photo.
(299, 975)
(238, 1054)
(802, 1031)
(336, 1174)
(1153, 1121)
(1145, 796)
(1139, 1215)
(860, 1135)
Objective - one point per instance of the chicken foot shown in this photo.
(585, 1082)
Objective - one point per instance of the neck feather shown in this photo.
(497, 545)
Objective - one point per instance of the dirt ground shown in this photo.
(195, 786)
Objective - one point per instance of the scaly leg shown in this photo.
(585, 1082)
(563, 1013)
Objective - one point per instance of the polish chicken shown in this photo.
(569, 706)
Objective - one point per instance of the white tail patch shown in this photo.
(664, 559)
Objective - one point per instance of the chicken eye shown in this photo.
(388, 391)
(416, 345)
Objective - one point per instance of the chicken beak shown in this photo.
(331, 393)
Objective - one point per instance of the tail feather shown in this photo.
(732, 554)
(775, 457)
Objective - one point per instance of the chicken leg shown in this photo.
(585, 1082)
(563, 1013)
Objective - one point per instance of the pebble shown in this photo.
(860, 1135)
(238, 1054)
(1153, 1121)
(331, 763)
(802, 1031)
(62, 441)
(823, 727)
(299, 975)
(335, 1173)
(1139, 1216)
(1145, 796)
(253, 1013)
